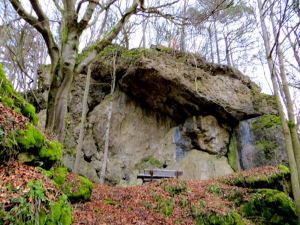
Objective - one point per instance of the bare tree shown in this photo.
(74, 17)
(287, 129)
(21, 51)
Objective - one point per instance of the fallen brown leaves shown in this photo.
(137, 204)
(11, 120)
(14, 178)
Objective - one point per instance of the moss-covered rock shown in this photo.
(267, 147)
(32, 147)
(52, 151)
(149, 162)
(232, 154)
(267, 206)
(209, 218)
(10, 98)
(266, 121)
(77, 188)
(30, 139)
(277, 179)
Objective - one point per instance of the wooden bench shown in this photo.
(155, 174)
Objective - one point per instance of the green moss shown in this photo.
(164, 205)
(80, 190)
(30, 139)
(266, 121)
(197, 209)
(210, 218)
(278, 180)
(133, 54)
(268, 206)
(267, 147)
(29, 111)
(64, 33)
(60, 212)
(284, 169)
(8, 102)
(33, 207)
(177, 188)
(76, 188)
(235, 196)
(10, 98)
(149, 162)
(215, 189)
(59, 175)
(51, 151)
(25, 157)
(232, 153)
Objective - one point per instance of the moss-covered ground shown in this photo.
(31, 195)
(28, 197)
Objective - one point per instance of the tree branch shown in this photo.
(57, 5)
(41, 24)
(91, 52)
(39, 12)
(88, 13)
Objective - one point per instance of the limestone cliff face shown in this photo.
(170, 109)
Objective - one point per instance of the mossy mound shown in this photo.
(19, 138)
(149, 162)
(266, 177)
(208, 218)
(76, 188)
(10, 98)
(267, 206)
(30, 198)
(31, 147)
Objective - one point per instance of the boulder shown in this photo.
(170, 109)
(201, 166)
(181, 87)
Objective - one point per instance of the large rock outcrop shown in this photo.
(170, 110)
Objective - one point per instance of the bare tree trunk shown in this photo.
(60, 86)
(217, 41)
(183, 27)
(107, 130)
(83, 119)
(288, 98)
(144, 24)
(211, 44)
(293, 45)
(286, 131)
(227, 50)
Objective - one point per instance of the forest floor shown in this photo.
(166, 201)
